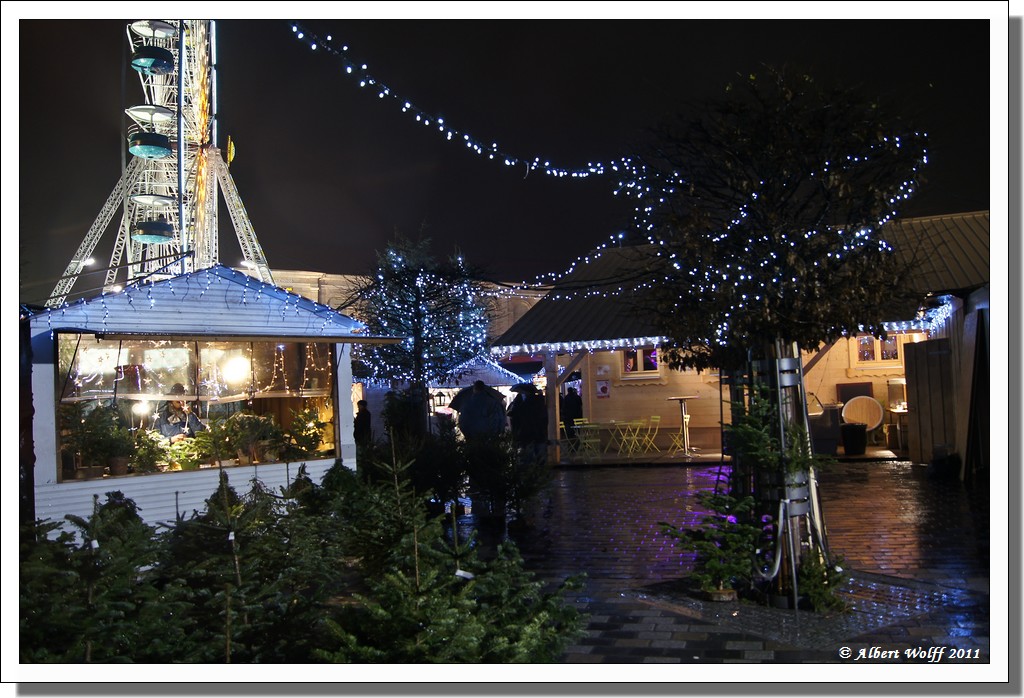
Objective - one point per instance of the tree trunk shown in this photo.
(781, 485)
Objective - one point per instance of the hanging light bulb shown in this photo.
(237, 370)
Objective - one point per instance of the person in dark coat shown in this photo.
(515, 416)
(362, 429)
(176, 420)
(481, 411)
(528, 417)
(572, 408)
(537, 428)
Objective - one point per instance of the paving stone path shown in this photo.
(916, 550)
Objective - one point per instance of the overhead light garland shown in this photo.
(632, 175)
(359, 72)
(652, 190)
(590, 346)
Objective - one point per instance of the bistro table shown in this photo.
(620, 435)
(681, 441)
(897, 418)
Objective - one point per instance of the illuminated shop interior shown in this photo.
(279, 381)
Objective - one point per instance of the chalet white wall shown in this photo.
(161, 497)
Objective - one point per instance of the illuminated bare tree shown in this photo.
(767, 210)
(769, 214)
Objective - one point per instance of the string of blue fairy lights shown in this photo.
(359, 72)
(632, 177)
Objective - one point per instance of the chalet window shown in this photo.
(869, 352)
(639, 363)
(280, 383)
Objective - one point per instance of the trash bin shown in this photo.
(855, 438)
(825, 430)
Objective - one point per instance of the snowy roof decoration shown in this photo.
(216, 301)
(478, 368)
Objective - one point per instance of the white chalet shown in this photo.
(235, 343)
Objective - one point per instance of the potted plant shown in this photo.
(183, 455)
(150, 451)
(306, 433)
(252, 435)
(820, 583)
(93, 437)
(120, 445)
(724, 545)
(213, 444)
(70, 424)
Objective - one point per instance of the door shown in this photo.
(931, 404)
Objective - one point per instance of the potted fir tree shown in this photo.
(724, 544)
(306, 434)
(150, 451)
(252, 435)
(120, 445)
(96, 442)
(214, 445)
(183, 455)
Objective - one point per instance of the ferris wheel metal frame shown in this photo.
(168, 192)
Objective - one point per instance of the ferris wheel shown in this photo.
(168, 193)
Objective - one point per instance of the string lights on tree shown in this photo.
(778, 235)
(437, 308)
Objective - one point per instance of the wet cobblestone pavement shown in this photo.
(915, 550)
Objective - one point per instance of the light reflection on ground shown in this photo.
(913, 545)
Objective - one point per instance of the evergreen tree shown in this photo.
(437, 307)
(352, 570)
(51, 613)
(523, 621)
(208, 551)
(425, 599)
(293, 564)
(105, 602)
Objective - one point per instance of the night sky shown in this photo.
(328, 172)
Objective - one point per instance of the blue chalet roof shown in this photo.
(216, 301)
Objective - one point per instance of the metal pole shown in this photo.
(182, 146)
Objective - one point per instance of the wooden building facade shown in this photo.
(600, 335)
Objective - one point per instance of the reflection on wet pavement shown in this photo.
(916, 550)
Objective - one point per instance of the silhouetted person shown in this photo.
(481, 412)
(362, 429)
(535, 428)
(528, 418)
(572, 408)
